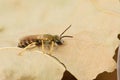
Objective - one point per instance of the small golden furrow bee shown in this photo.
(42, 41)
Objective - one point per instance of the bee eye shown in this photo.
(59, 42)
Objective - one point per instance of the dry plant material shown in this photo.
(94, 29)
(107, 8)
(118, 65)
(33, 65)
(85, 55)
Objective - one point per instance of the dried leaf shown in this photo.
(86, 56)
(32, 65)
(95, 26)
(118, 65)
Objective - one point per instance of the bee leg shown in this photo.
(27, 47)
(43, 49)
(51, 48)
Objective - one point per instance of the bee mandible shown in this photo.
(42, 40)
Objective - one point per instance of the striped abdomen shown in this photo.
(28, 40)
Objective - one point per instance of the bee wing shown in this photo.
(86, 53)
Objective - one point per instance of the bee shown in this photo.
(42, 40)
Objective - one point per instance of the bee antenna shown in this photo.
(65, 30)
(66, 36)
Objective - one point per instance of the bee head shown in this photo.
(58, 40)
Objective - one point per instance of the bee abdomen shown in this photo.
(24, 43)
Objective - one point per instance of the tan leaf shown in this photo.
(32, 65)
(95, 26)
